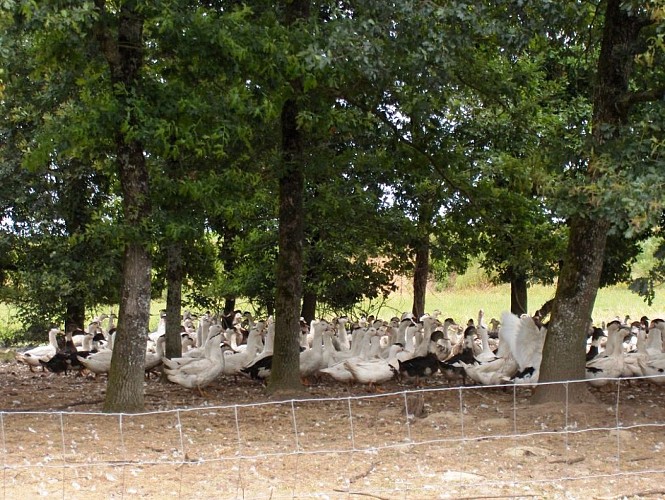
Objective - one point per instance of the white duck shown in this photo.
(659, 325)
(371, 371)
(110, 326)
(653, 364)
(99, 362)
(154, 359)
(423, 346)
(338, 372)
(233, 338)
(631, 360)
(234, 362)
(342, 334)
(654, 343)
(525, 340)
(359, 351)
(334, 369)
(260, 367)
(410, 342)
(187, 342)
(161, 328)
(400, 334)
(202, 330)
(368, 346)
(195, 352)
(312, 359)
(359, 347)
(269, 343)
(443, 345)
(611, 365)
(497, 371)
(201, 372)
(42, 352)
(78, 337)
(389, 332)
(485, 355)
(654, 369)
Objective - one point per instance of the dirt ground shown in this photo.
(335, 442)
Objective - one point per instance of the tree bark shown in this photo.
(124, 55)
(564, 353)
(77, 216)
(420, 276)
(174, 277)
(228, 258)
(285, 372)
(308, 312)
(519, 295)
(75, 313)
(229, 305)
(124, 390)
(421, 245)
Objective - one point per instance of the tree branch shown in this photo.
(629, 99)
(399, 135)
(108, 44)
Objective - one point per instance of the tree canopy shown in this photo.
(302, 154)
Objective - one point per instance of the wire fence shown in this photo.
(441, 442)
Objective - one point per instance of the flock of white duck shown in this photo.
(369, 352)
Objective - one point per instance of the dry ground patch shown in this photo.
(334, 442)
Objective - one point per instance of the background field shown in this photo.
(464, 303)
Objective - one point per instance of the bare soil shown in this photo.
(335, 442)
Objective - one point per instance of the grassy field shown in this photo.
(462, 304)
(473, 291)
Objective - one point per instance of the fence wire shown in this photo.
(460, 442)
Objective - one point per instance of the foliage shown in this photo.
(48, 147)
(466, 126)
(652, 272)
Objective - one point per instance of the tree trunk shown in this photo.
(75, 314)
(174, 277)
(125, 383)
(426, 212)
(312, 265)
(229, 305)
(519, 295)
(420, 276)
(564, 352)
(124, 390)
(77, 216)
(285, 372)
(124, 55)
(228, 258)
(308, 312)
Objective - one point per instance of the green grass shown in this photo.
(462, 303)
(472, 291)
(11, 329)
